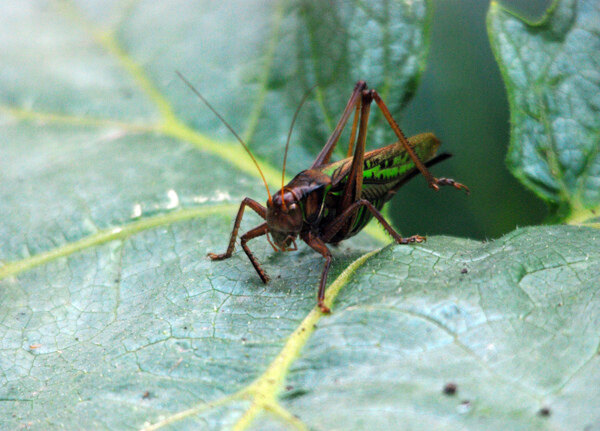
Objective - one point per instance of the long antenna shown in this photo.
(197, 93)
(287, 144)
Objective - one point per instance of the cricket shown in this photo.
(332, 201)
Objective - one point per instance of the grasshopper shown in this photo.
(330, 202)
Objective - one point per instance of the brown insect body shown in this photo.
(313, 197)
(330, 202)
(300, 208)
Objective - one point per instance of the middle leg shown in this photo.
(332, 228)
(319, 246)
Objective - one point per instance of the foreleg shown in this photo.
(257, 231)
(258, 208)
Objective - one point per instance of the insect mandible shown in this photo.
(330, 202)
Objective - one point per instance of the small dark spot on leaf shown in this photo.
(76, 338)
(243, 339)
(464, 271)
(450, 388)
(464, 406)
(544, 412)
(289, 387)
(117, 280)
(146, 395)
(291, 394)
(185, 327)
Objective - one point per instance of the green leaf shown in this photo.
(117, 182)
(550, 69)
(162, 336)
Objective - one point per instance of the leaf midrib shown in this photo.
(263, 392)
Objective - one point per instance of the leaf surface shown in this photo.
(116, 183)
(550, 68)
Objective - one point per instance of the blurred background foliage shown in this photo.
(461, 97)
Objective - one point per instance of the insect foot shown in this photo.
(411, 239)
(215, 256)
(324, 309)
(451, 182)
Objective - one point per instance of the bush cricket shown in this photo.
(330, 202)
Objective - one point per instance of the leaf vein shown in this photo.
(107, 235)
(264, 390)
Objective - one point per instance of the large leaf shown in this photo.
(112, 317)
(146, 331)
(100, 142)
(550, 68)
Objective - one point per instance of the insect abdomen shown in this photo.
(383, 172)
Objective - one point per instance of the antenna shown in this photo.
(197, 93)
(287, 144)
